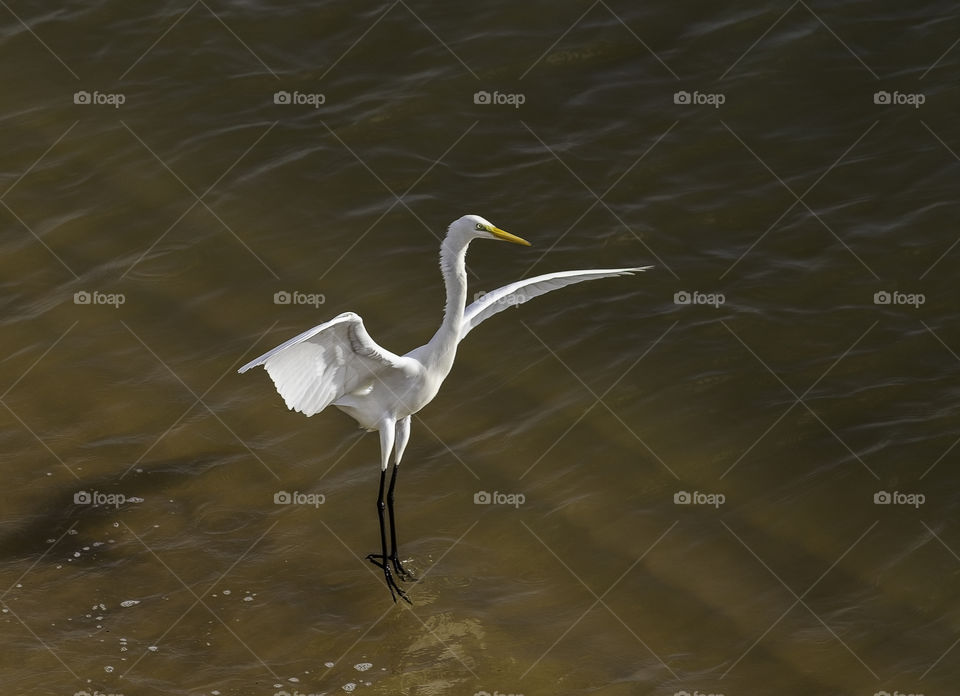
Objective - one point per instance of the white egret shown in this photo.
(338, 363)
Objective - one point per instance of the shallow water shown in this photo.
(782, 400)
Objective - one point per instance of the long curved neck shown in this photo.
(442, 348)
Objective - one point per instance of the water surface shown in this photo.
(785, 400)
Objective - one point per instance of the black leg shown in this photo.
(381, 559)
(394, 557)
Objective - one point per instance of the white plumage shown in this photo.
(524, 290)
(338, 363)
(314, 369)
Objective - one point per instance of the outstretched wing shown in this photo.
(524, 290)
(316, 368)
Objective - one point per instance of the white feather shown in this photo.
(321, 365)
(523, 290)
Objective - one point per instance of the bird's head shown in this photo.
(471, 227)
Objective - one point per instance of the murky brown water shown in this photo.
(781, 402)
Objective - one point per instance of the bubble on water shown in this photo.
(293, 679)
(129, 602)
(363, 666)
(152, 648)
(348, 687)
(73, 532)
(135, 499)
(248, 598)
(108, 669)
(76, 554)
(328, 664)
(97, 543)
(51, 541)
(226, 592)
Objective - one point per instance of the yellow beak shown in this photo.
(507, 237)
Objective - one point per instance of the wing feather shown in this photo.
(524, 290)
(317, 367)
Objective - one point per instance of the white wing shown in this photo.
(316, 368)
(523, 290)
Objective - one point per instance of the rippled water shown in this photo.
(786, 401)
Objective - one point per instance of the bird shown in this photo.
(337, 363)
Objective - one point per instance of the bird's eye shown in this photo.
(480, 227)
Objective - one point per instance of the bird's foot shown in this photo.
(378, 560)
(394, 560)
(404, 574)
